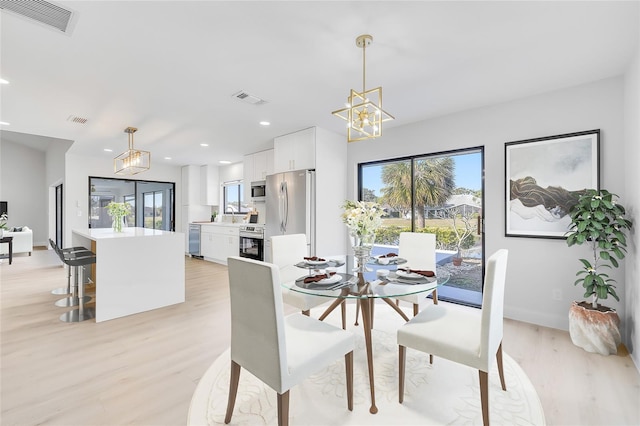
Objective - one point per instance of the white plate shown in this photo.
(410, 275)
(315, 262)
(331, 280)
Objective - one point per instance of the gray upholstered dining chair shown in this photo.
(286, 251)
(467, 336)
(281, 351)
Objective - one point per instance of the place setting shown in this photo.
(408, 276)
(324, 280)
(387, 259)
(316, 262)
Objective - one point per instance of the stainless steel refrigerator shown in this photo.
(291, 207)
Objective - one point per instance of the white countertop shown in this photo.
(237, 224)
(106, 233)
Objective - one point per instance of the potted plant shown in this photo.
(598, 221)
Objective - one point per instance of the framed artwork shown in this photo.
(544, 178)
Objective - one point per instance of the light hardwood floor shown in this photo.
(144, 368)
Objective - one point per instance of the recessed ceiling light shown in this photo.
(167, 158)
(224, 162)
(108, 150)
(3, 81)
(204, 144)
(4, 123)
(265, 123)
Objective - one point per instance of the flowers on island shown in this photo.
(117, 211)
(3, 221)
(362, 217)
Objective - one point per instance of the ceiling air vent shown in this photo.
(43, 12)
(76, 119)
(247, 98)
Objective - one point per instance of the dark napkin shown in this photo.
(317, 278)
(315, 259)
(419, 272)
(388, 255)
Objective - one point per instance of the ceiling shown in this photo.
(170, 68)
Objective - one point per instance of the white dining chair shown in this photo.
(419, 249)
(281, 351)
(286, 251)
(468, 336)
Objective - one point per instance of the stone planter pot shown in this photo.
(594, 330)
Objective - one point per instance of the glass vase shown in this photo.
(117, 223)
(362, 245)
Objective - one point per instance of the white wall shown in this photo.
(76, 187)
(631, 319)
(54, 164)
(22, 185)
(536, 266)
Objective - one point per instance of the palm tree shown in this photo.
(433, 179)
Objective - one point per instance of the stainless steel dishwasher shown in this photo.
(194, 240)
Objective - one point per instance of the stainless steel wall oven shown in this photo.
(252, 242)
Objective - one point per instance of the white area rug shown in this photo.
(440, 394)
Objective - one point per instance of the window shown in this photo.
(440, 194)
(233, 198)
(153, 209)
(130, 219)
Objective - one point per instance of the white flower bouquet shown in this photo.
(362, 217)
(117, 211)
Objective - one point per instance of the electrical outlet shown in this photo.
(556, 294)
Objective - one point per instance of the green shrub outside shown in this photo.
(445, 237)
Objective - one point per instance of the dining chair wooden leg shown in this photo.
(435, 296)
(343, 311)
(307, 312)
(484, 396)
(357, 312)
(500, 370)
(283, 409)
(430, 359)
(401, 360)
(233, 390)
(348, 364)
(415, 309)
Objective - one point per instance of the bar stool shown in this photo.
(62, 253)
(81, 313)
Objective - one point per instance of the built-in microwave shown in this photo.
(258, 190)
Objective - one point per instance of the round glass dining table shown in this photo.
(378, 281)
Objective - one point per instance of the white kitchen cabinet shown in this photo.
(190, 185)
(262, 164)
(257, 166)
(218, 242)
(210, 185)
(295, 151)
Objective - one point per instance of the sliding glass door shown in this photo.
(152, 203)
(440, 194)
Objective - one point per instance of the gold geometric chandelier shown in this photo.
(132, 161)
(363, 112)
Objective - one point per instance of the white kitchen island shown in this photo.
(136, 270)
